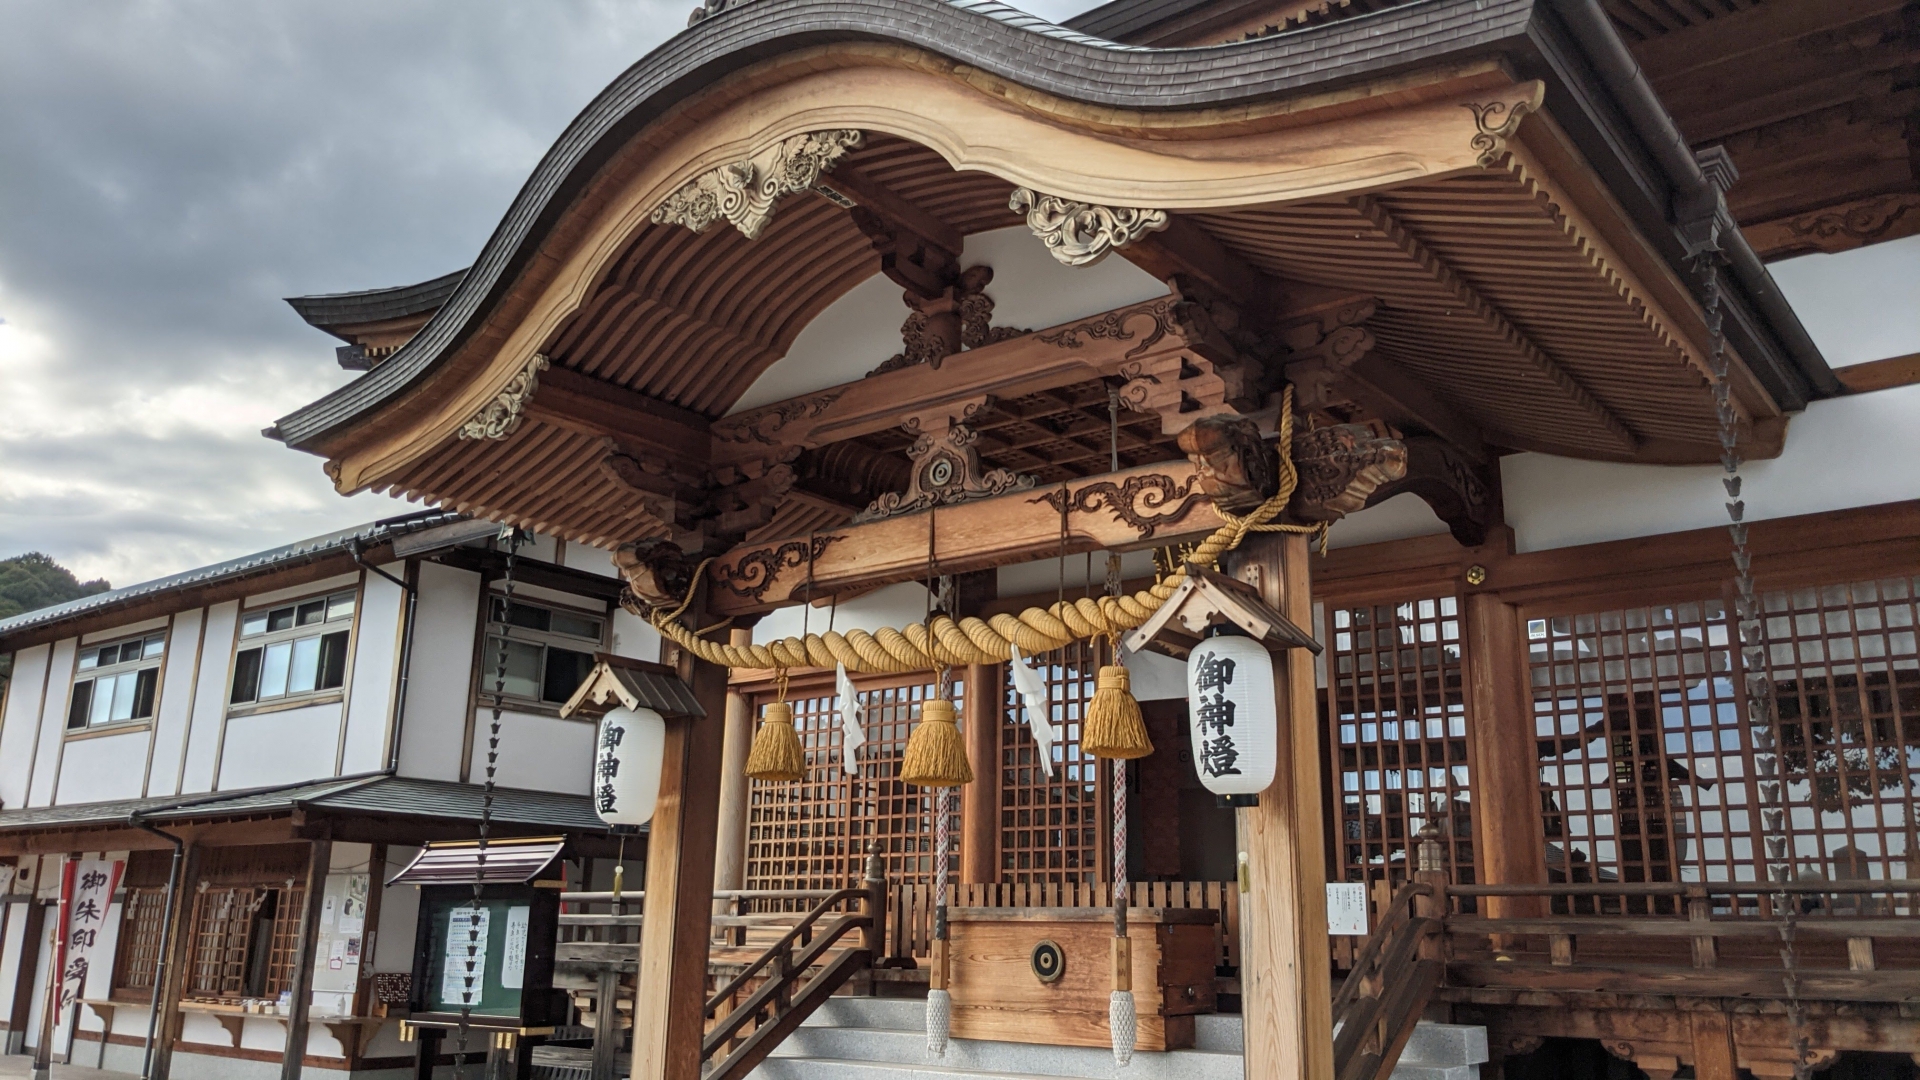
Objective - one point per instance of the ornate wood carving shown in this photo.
(1494, 123)
(1340, 468)
(1144, 501)
(1081, 234)
(763, 425)
(946, 468)
(744, 193)
(1838, 228)
(1182, 388)
(657, 573)
(959, 317)
(1231, 462)
(501, 416)
(751, 574)
(1458, 490)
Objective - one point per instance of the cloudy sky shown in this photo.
(173, 168)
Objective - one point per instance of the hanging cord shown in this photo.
(1755, 661)
(944, 640)
(513, 538)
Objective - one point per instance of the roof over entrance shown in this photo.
(1476, 186)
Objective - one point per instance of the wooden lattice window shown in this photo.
(1053, 829)
(244, 941)
(141, 917)
(1645, 764)
(1846, 688)
(1397, 724)
(813, 833)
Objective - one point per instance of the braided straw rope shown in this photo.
(942, 642)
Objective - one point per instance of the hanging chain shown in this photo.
(1770, 786)
(513, 537)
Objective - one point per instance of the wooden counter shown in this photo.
(996, 994)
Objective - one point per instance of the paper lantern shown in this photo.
(1233, 715)
(626, 765)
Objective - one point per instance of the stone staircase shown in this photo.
(853, 1038)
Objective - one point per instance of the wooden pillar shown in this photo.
(1713, 1057)
(730, 847)
(177, 948)
(34, 916)
(319, 859)
(1511, 847)
(671, 990)
(1285, 971)
(980, 800)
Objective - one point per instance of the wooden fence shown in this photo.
(910, 930)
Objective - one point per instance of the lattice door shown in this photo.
(813, 833)
(139, 946)
(222, 919)
(1054, 829)
(1398, 726)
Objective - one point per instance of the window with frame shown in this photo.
(293, 650)
(244, 923)
(118, 681)
(549, 650)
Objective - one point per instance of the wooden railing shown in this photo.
(774, 993)
(911, 932)
(1840, 940)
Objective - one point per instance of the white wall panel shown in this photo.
(436, 718)
(202, 752)
(102, 768)
(376, 654)
(53, 721)
(20, 725)
(176, 704)
(632, 636)
(539, 753)
(282, 747)
(1841, 453)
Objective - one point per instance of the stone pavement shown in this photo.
(20, 1067)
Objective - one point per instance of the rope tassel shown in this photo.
(936, 754)
(1113, 727)
(776, 753)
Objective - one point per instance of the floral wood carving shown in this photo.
(961, 317)
(1144, 502)
(1081, 234)
(946, 471)
(1839, 228)
(750, 576)
(500, 417)
(1495, 122)
(762, 425)
(744, 193)
(1340, 468)
(1113, 325)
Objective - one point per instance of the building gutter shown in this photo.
(1697, 195)
(406, 646)
(162, 970)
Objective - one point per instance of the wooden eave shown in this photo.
(1519, 287)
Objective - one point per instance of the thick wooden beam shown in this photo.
(1285, 967)
(668, 1020)
(175, 949)
(1184, 248)
(980, 800)
(1151, 504)
(590, 406)
(319, 860)
(848, 181)
(730, 844)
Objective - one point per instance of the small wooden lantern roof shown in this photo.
(617, 682)
(507, 862)
(1209, 598)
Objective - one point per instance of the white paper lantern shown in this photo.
(626, 765)
(1233, 715)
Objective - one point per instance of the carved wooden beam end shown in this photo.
(1339, 468)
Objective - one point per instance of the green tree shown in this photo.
(33, 581)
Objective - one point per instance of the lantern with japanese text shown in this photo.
(1233, 714)
(626, 765)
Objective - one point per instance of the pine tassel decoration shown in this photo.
(1113, 727)
(936, 754)
(776, 753)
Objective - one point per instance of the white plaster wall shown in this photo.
(282, 747)
(176, 704)
(20, 726)
(1858, 305)
(102, 768)
(376, 654)
(1403, 516)
(197, 759)
(633, 637)
(896, 605)
(1030, 289)
(53, 720)
(590, 559)
(538, 753)
(1845, 452)
(399, 916)
(10, 951)
(442, 671)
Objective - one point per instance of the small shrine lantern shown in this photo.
(1227, 635)
(633, 700)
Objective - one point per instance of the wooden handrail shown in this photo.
(1399, 910)
(1676, 888)
(1667, 926)
(803, 928)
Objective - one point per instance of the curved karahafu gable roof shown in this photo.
(1032, 53)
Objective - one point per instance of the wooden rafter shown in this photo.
(1472, 301)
